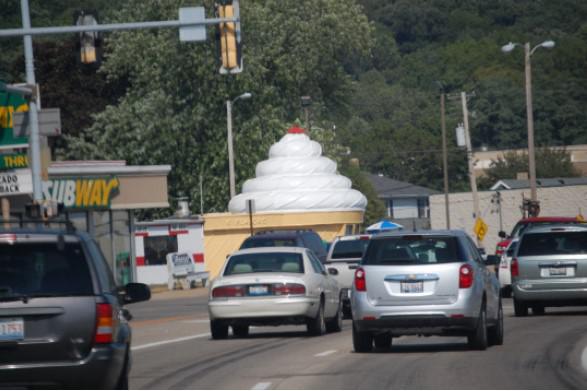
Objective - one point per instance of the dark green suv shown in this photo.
(62, 321)
(288, 238)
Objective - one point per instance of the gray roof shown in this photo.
(390, 188)
(512, 184)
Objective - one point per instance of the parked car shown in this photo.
(62, 320)
(504, 273)
(344, 255)
(274, 286)
(425, 283)
(531, 222)
(295, 238)
(549, 268)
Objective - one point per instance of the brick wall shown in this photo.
(554, 201)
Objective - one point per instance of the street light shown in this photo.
(549, 44)
(229, 104)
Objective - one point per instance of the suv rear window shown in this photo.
(265, 263)
(43, 269)
(413, 250)
(344, 249)
(268, 242)
(553, 243)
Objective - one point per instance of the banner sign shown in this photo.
(16, 182)
(82, 193)
(10, 104)
(13, 161)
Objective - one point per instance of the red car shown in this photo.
(527, 222)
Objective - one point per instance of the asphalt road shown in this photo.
(172, 349)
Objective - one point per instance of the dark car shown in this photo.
(62, 321)
(288, 238)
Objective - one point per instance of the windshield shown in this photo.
(553, 243)
(345, 249)
(43, 269)
(268, 242)
(278, 262)
(414, 249)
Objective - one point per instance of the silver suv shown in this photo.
(425, 283)
(549, 268)
(62, 321)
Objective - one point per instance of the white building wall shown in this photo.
(405, 208)
(554, 201)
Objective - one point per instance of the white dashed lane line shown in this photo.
(326, 353)
(159, 343)
(261, 386)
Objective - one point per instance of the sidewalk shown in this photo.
(160, 292)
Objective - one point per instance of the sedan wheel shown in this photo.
(218, 329)
(478, 338)
(240, 331)
(382, 341)
(335, 324)
(317, 326)
(520, 309)
(362, 341)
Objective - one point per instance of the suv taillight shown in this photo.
(360, 283)
(104, 323)
(465, 276)
(514, 268)
(229, 291)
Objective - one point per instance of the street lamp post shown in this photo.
(529, 110)
(229, 104)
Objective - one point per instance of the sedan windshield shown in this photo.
(412, 250)
(274, 262)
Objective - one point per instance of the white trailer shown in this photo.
(155, 239)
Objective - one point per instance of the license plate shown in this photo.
(557, 271)
(412, 287)
(258, 290)
(11, 329)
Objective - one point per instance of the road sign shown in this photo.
(16, 182)
(480, 228)
(49, 123)
(195, 33)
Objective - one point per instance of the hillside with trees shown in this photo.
(374, 71)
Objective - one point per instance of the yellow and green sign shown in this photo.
(82, 193)
(10, 104)
(11, 161)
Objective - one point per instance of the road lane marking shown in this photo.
(155, 344)
(584, 358)
(326, 353)
(197, 321)
(261, 386)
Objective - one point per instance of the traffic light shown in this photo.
(229, 37)
(89, 41)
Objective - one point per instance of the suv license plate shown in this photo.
(412, 287)
(11, 329)
(258, 290)
(557, 271)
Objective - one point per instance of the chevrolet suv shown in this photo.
(62, 321)
(425, 283)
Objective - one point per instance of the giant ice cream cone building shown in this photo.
(296, 188)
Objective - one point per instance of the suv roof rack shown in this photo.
(21, 221)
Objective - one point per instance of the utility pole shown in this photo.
(472, 178)
(444, 159)
(230, 149)
(530, 115)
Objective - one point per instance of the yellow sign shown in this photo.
(480, 228)
(580, 217)
(82, 193)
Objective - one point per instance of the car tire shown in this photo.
(122, 383)
(538, 310)
(495, 333)
(382, 341)
(477, 339)
(520, 309)
(506, 291)
(317, 326)
(219, 330)
(241, 330)
(335, 324)
(362, 341)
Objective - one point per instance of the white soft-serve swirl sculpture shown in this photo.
(296, 177)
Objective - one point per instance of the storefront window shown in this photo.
(79, 220)
(157, 247)
(100, 230)
(121, 244)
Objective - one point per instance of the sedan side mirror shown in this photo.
(333, 271)
(134, 292)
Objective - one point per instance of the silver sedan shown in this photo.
(274, 286)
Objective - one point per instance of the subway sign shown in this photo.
(82, 193)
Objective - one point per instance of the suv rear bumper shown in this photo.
(415, 325)
(100, 369)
